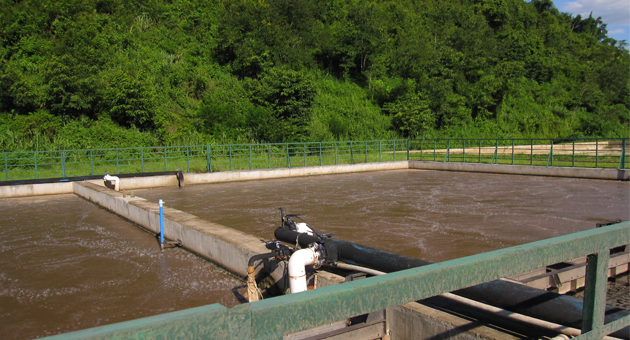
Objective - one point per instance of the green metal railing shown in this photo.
(584, 152)
(609, 153)
(274, 317)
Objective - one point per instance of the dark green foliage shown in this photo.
(177, 72)
(288, 97)
(130, 100)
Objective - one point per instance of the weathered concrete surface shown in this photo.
(419, 322)
(592, 173)
(415, 321)
(35, 189)
(249, 175)
(131, 183)
(225, 246)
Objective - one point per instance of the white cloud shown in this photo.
(617, 31)
(613, 12)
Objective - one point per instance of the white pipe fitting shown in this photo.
(297, 271)
(114, 179)
(304, 229)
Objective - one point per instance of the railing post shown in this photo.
(304, 154)
(496, 148)
(622, 159)
(165, 161)
(92, 163)
(380, 154)
(208, 158)
(117, 163)
(464, 149)
(479, 161)
(550, 160)
(188, 159)
(573, 159)
(407, 149)
(268, 156)
(512, 151)
(596, 152)
(250, 156)
(421, 147)
(335, 153)
(142, 159)
(351, 154)
(366, 151)
(595, 290)
(6, 167)
(434, 148)
(35, 159)
(320, 153)
(63, 163)
(230, 146)
(288, 159)
(531, 152)
(394, 150)
(448, 150)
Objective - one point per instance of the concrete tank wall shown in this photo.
(132, 183)
(249, 175)
(225, 246)
(530, 170)
(35, 189)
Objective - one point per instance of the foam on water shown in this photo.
(432, 215)
(66, 264)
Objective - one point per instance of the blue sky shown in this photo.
(615, 13)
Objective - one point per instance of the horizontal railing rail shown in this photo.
(593, 153)
(583, 152)
(274, 317)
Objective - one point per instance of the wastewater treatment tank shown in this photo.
(66, 265)
(429, 215)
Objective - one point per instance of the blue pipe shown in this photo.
(161, 225)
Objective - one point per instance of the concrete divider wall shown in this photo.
(530, 170)
(131, 183)
(7, 191)
(249, 175)
(225, 246)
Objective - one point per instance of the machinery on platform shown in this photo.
(315, 249)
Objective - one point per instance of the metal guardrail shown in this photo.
(197, 158)
(609, 153)
(274, 317)
(583, 152)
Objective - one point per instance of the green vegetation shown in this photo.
(110, 73)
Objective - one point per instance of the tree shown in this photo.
(288, 95)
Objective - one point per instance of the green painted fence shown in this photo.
(585, 152)
(609, 153)
(273, 317)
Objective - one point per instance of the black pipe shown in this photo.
(83, 178)
(351, 252)
(537, 303)
(255, 258)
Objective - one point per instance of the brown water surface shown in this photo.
(432, 215)
(66, 264)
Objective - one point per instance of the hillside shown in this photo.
(112, 73)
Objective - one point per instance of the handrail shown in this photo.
(274, 317)
(582, 152)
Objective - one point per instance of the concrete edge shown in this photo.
(9, 191)
(227, 247)
(528, 170)
(250, 175)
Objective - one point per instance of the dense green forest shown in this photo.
(113, 73)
